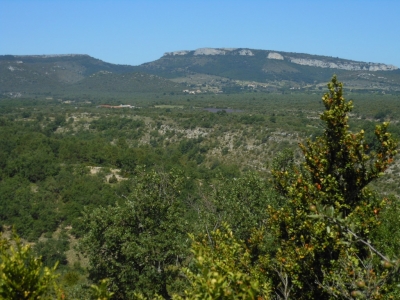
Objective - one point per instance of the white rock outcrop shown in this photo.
(246, 52)
(209, 51)
(352, 66)
(321, 62)
(181, 52)
(381, 67)
(275, 55)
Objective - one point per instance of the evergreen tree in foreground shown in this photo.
(323, 231)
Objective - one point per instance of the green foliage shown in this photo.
(251, 119)
(381, 115)
(100, 291)
(387, 235)
(46, 179)
(240, 202)
(324, 229)
(113, 179)
(119, 126)
(32, 156)
(22, 275)
(284, 161)
(52, 251)
(222, 269)
(139, 244)
(71, 278)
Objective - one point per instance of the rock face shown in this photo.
(381, 67)
(275, 55)
(182, 52)
(210, 51)
(300, 59)
(352, 66)
(246, 52)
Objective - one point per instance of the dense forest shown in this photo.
(201, 196)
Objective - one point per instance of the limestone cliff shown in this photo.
(299, 59)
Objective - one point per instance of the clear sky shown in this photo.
(136, 31)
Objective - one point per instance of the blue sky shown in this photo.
(134, 32)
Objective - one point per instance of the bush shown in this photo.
(324, 230)
(22, 275)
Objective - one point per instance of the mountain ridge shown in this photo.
(270, 70)
(211, 70)
(281, 55)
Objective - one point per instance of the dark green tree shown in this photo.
(240, 202)
(139, 244)
(324, 229)
(52, 251)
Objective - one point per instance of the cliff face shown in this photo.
(212, 51)
(351, 66)
(299, 59)
(238, 69)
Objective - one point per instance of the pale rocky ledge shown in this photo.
(212, 51)
(340, 64)
(352, 66)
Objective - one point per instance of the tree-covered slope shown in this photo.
(73, 74)
(206, 69)
(270, 66)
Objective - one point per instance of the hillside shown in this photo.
(73, 75)
(269, 70)
(120, 84)
(205, 70)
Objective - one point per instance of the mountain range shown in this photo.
(205, 70)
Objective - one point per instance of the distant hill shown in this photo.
(74, 74)
(203, 70)
(271, 68)
(127, 83)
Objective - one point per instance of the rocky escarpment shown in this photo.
(295, 58)
(352, 66)
(274, 55)
(213, 51)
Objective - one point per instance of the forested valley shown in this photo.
(205, 196)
